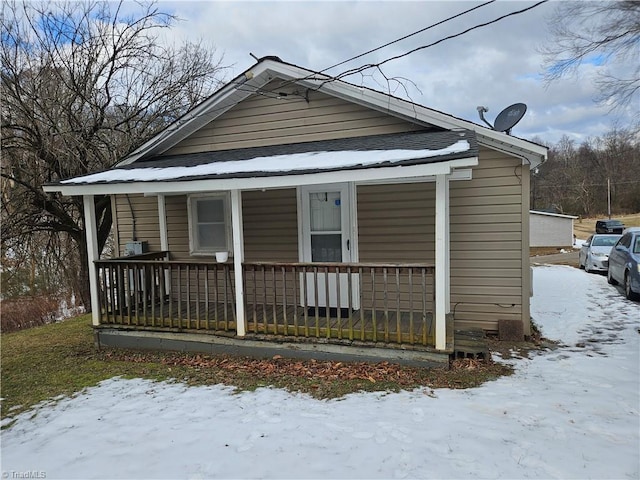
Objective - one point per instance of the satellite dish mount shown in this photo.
(506, 119)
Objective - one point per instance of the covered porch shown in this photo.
(330, 295)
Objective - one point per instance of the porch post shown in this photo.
(162, 222)
(238, 258)
(164, 237)
(442, 305)
(92, 255)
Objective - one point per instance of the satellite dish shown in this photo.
(506, 119)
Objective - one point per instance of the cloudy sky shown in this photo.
(494, 66)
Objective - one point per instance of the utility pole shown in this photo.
(609, 197)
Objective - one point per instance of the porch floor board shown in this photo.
(280, 321)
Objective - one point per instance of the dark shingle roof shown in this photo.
(397, 141)
(338, 155)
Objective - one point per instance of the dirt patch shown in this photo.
(321, 379)
(538, 251)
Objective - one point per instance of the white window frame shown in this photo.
(194, 248)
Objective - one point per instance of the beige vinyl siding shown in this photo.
(145, 211)
(396, 224)
(261, 121)
(269, 221)
(486, 243)
(177, 227)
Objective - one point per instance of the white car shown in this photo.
(594, 253)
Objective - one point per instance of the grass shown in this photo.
(583, 227)
(60, 359)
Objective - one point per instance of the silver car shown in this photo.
(594, 253)
(624, 265)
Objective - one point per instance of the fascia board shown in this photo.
(532, 153)
(216, 105)
(254, 183)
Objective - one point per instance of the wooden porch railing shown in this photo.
(369, 302)
(151, 291)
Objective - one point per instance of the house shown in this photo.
(355, 223)
(550, 229)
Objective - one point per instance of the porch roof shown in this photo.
(398, 152)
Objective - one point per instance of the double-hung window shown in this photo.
(209, 224)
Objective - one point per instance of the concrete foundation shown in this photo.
(215, 344)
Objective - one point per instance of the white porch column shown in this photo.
(91, 231)
(164, 237)
(238, 258)
(162, 222)
(442, 275)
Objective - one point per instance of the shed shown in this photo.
(550, 229)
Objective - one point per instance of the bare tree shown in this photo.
(82, 85)
(603, 33)
(577, 180)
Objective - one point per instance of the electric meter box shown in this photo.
(135, 248)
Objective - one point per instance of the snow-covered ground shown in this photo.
(572, 412)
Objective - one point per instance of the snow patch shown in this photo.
(572, 412)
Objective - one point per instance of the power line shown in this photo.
(262, 91)
(377, 65)
(457, 15)
(564, 185)
(409, 35)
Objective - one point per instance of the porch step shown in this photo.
(470, 343)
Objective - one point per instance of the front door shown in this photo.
(326, 238)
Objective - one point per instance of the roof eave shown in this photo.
(222, 100)
(186, 185)
(531, 153)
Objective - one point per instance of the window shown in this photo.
(209, 224)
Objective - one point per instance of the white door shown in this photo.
(326, 237)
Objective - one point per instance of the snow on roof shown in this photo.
(275, 164)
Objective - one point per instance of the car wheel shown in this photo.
(630, 294)
(586, 266)
(610, 279)
(580, 264)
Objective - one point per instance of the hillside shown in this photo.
(583, 227)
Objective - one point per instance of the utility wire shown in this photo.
(453, 17)
(408, 36)
(262, 91)
(377, 65)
